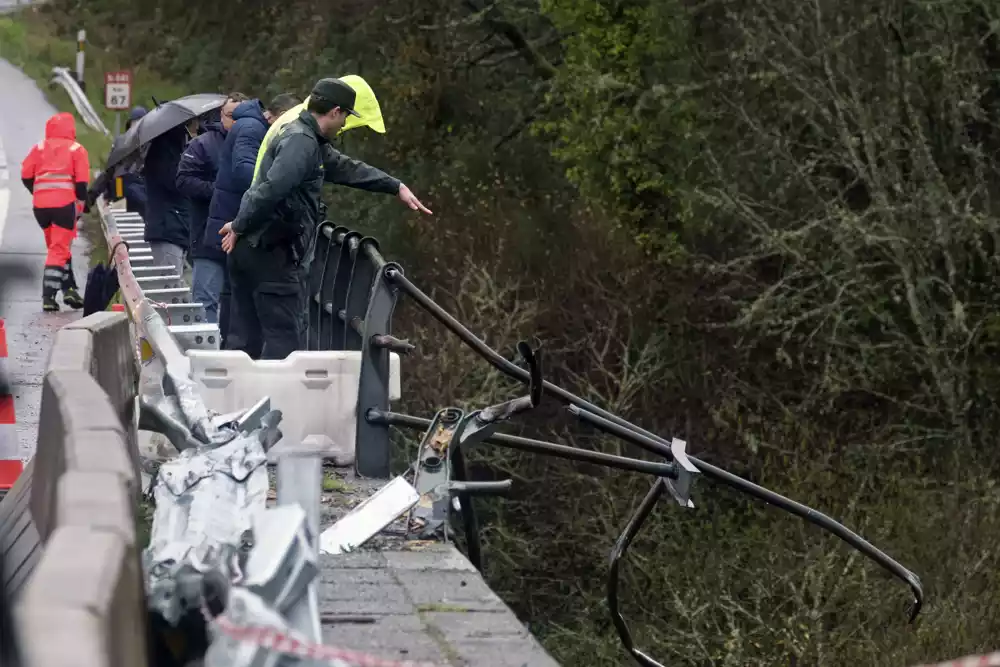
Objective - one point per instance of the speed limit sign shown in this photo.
(118, 90)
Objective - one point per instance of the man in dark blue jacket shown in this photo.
(196, 175)
(167, 228)
(236, 166)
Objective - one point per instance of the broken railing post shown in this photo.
(300, 480)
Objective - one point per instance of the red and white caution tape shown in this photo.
(989, 660)
(10, 453)
(279, 642)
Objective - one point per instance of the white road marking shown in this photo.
(4, 202)
(4, 192)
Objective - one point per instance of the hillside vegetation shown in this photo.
(769, 228)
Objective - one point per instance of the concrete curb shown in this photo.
(67, 528)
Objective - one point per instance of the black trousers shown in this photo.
(268, 315)
(225, 307)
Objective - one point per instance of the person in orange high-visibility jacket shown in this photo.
(57, 172)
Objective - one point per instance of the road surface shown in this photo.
(30, 332)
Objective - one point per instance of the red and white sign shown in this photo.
(118, 90)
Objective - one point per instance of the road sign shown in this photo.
(118, 90)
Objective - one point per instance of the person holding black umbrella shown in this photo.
(271, 239)
(165, 132)
(167, 218)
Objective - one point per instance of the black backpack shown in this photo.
(102, 284)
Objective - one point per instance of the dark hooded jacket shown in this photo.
(236, 165)
(133, 187)
(196, 175)
(166, 208)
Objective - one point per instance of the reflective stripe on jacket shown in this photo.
(57, 166)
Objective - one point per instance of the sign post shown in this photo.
(118, 94)
(81, 39)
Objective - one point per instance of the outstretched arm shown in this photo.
(343, 170)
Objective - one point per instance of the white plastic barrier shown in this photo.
(317, 392)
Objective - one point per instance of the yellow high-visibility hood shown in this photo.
(365, 104)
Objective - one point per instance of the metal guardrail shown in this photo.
(61, 76)
(351, 305)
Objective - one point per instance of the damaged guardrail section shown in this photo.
(219, 559)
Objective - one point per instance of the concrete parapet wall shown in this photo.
(68, 528)
(20, 544)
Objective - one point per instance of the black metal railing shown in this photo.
(350, 308)
(353, 295)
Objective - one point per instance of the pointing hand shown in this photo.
(411, 200)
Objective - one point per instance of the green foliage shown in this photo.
(626, 131)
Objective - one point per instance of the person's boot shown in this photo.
(51, 282)
(71, 296)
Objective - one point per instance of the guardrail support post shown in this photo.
(360, 289)
(328, 325)
(300, 480)
(342, 281)
(372, 440)
(317, 274)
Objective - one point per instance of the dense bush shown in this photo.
(765, 227)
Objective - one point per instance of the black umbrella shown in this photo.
(161, 120)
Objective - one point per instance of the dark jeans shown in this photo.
(207, 277)
(268, 316)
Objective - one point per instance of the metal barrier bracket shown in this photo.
(432, 470)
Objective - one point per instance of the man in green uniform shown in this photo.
(275, 228)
